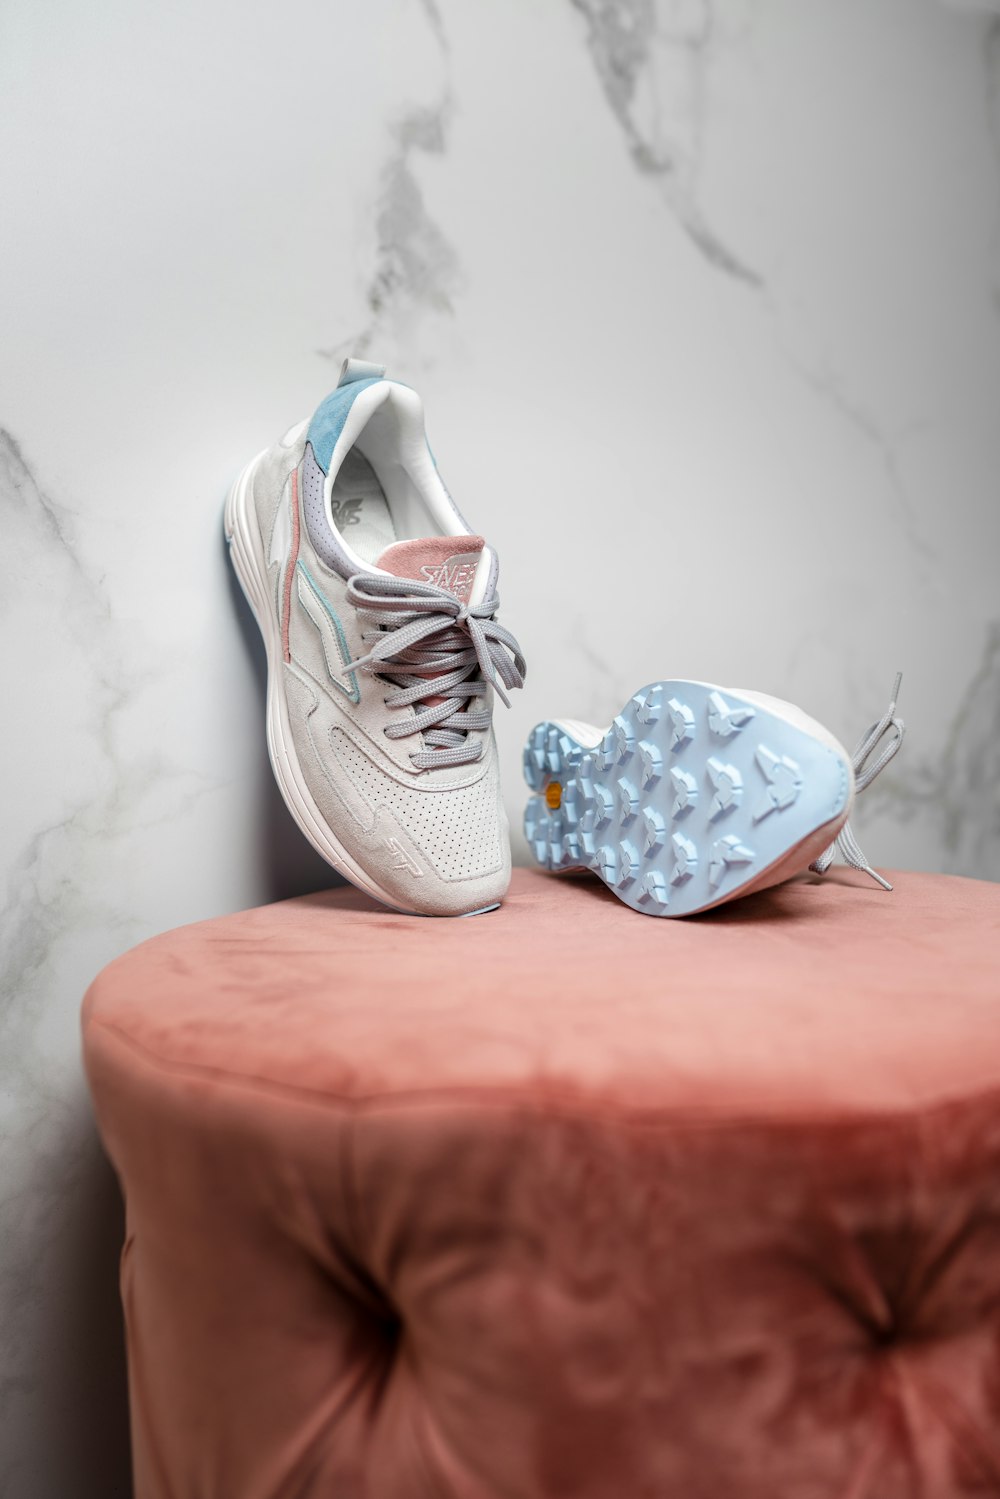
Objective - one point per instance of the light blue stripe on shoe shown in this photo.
(326, 615)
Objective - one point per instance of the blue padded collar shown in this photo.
(330, 416)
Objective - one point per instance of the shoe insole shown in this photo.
(360, 510)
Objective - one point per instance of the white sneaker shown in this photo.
(696, 794)
(376, 603)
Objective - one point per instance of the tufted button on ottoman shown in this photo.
(561, 1201)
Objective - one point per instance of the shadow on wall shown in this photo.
(287, 864)
(85, 1385)
(82, 1383)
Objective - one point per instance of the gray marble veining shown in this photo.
(694, 322)
(660, 103)
(415, 269)
(954, 787)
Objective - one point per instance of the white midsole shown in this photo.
(246, 551)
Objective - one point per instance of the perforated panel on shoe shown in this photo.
(313, 482)
(458, 831)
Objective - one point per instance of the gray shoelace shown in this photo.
(440, 654)
(865, 771)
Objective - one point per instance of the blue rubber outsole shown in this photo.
(690, 797)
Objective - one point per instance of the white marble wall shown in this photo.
(685, 284)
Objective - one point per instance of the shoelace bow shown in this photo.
(433, 647)
(845, 844)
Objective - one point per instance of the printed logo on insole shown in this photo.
(346, 512)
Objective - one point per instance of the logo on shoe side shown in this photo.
(346, 512)
(456, 574)
(401, 859)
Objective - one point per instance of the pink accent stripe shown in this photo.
(286, 602)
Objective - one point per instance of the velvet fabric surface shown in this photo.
(561, 1200)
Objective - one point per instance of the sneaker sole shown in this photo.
(694, 795)
(246, 556)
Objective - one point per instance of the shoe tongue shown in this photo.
(448, 562)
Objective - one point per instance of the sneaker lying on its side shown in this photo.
(697, 794)
(377, 606)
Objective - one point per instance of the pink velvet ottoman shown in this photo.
(562, 1201)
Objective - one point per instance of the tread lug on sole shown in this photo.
(628, 862)
(648, 705)
(653, 830)
(727, 784)
(628, 799)
(724, 853)
(548, 756)
(651, 762)
(685, 858)
(723, 718)
(681, 723)
(784, 782)
(685, 791)
(654, 892)
(624, 738)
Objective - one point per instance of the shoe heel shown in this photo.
(552, 760)
(244, 542)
